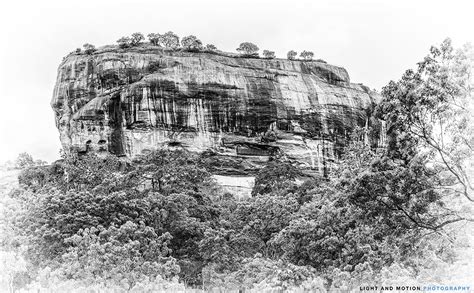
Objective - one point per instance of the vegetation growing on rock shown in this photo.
(124, 42)
(268, 54)
(247, 48)
(211, 47)
(136, 39)
(307, 55)
(191, 43)
(171, 41)
(89, 49)
(291, 55)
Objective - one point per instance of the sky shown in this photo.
(376, 41)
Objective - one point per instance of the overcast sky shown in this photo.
(376, 41)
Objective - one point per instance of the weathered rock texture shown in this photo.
(243, 109)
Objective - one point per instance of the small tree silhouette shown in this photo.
(307, 55)
(88, 48)
(291, 55)
(154, 39)
(124, 42)
(211, 47)
(268, 54)
(170, 40)
(191, 43)
(248, 48)
(136, 38)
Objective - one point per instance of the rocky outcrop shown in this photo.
(126, 101)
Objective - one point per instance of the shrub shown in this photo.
(247, 48)
(136, 38)
(34, 177)
(268, 54)
(154, 39)
(89, 49)
(275, 176)
(211, 47)
(291, 55)
(191, 43)
(24, 160)
(124, 42)
(170, 40)
(307, 55)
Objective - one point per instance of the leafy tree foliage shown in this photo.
(34, 177)
(247, 48)
(154, 38)
(89, 49)
(274, 177)
(160, 194)
(269, 54)
(169, 40)
(136, 39)
(382, 209)
(191, 43)
(169, 171)
(291, 55)
(264, 275)
(130, 252)
(24, 160)
(307, 55)
(431, 108)
(211, 47)
(124, 42)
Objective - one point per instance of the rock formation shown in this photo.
(126, 101)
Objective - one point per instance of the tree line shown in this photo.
(170, 40)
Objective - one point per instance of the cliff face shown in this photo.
(128, 101)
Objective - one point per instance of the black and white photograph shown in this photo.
(245, 146)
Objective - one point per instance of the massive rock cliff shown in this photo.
(126, 101)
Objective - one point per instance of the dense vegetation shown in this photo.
(159, 221)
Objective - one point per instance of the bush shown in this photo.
(291, 55)
(136, 39)
(34, 177)
(124, 42)
(89, 49)
(248, 48)
(274, 177)
(169, 40)
(24, 160)
(307, 55)
(191, 43)
(211, 47)
(268, 54)
(154, 39)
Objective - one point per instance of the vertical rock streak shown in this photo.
(127, 102)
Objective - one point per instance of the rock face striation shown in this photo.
(245, 110)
